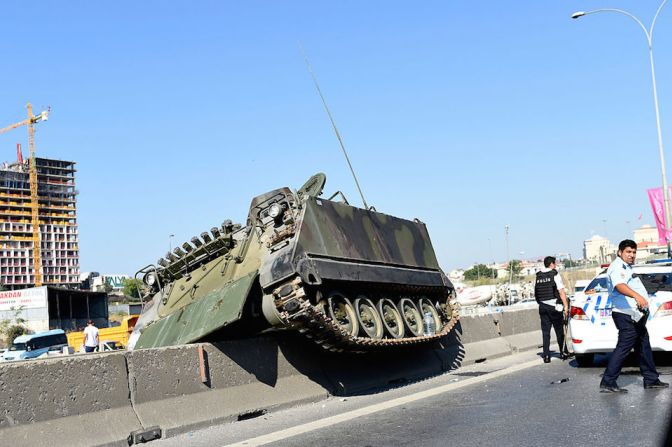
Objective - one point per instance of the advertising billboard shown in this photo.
(26, 298)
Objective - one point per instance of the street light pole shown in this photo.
(170, 242)
(661, 152)
(506, 232)
(492, 259)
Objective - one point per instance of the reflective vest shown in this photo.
(545, 288)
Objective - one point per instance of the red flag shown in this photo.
(640, 217)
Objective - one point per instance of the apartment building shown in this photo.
(57, 221)
(598, 249)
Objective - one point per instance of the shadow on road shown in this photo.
(283, 353)
(663, 359)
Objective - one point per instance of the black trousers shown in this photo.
(550, 317)
(630, 335)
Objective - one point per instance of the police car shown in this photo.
(592, 328)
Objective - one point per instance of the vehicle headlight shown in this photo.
(275, 210)
(150, 279)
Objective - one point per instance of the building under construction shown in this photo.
(57, 214)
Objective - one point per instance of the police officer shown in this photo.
(549, 291)
(630, 304)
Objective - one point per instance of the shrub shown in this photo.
(13, 331)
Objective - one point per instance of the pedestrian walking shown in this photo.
(90, 337)
(630, 309)
(549, 291)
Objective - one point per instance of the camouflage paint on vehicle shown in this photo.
(193, 322)
(300, 262)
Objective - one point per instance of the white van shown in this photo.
(34, 345)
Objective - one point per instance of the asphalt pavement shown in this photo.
(516, 400)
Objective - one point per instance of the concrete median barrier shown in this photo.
(101, 399)
(172, 388)
(496, 334)
(350, 374)
(522, 329)
(481, 338)
(74, 401)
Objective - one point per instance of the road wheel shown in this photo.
(427, 306)
(411, 315)
(391, 318)
(446, 311)
(343, 313)
(368, 318)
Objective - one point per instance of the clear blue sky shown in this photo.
(467, 115)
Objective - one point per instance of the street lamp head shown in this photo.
(578, 14)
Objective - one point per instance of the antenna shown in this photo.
(333, 123)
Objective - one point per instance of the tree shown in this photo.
(479, 271)
(133, 287)
(11, 328)
(568, 263)
(515, 267)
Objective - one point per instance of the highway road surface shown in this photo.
(516, 401)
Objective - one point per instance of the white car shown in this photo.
(591, 327)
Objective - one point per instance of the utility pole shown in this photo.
(508, 257)
(494, 270)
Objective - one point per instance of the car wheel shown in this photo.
(584, 359)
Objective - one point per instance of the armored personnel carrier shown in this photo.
(351, 279)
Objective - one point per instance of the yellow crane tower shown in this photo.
(32, 176)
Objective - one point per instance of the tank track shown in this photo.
(316, 325)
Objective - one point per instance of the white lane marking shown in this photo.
(337, 419)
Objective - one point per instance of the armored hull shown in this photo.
(348, 278)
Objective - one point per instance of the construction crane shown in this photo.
(32, 176)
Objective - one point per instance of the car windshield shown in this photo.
(597, 285)
(656, 282)
(18, 347)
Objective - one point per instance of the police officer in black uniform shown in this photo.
(549, 291)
